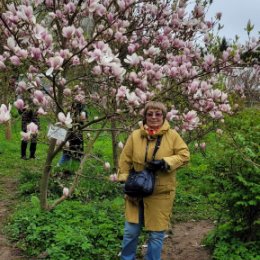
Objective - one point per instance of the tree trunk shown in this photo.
(45, 176)
(114, 143)
(8, 130)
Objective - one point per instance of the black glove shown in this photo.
(157, 165)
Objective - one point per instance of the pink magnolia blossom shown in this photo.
(132, 99)
(33, 69)
(133, 59)
(41, 111)
(15, 60)
(80, 98)
(225, 55)
(66, 120)
(117, 70)
(22, 54)
(97, 70)
(225, 108)
(208, 62)
(70, 8)
(92, 5)
(68, 31)
(36, 53)
(121, 93)
(55, 62)
(216, 114)
(173, 114)
(152, 51)
(198, 11)
(193, 87)
(32, 128)
(113, 177)
(39, 95)
(131, 48)
(22, 85)
(26, 136)
(100, 10)
(216, 94)
(133, 77)
(203, 146)
(26, 13)
(19, 104)
(5, 113)
(120, 37)
(67, 92)
(190, 120)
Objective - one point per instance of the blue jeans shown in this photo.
(130, 240)
(64, 158)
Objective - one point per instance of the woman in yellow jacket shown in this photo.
(152, 212)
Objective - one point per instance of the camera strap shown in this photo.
(156, 148)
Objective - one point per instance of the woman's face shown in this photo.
(154, 118)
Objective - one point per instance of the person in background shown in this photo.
(75, 149)
(152, 212)
(29, 115)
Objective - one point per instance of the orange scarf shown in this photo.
(151, 132)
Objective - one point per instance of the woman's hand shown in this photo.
(157, 165)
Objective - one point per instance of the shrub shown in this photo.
(71, 231)
(235, 189)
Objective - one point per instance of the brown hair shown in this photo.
(155, 105)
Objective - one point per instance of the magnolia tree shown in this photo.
(115, 55)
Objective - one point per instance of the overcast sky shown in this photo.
(235, 15)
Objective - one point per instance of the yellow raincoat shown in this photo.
(158, 206)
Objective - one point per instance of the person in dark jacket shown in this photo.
(29, 115)
(76, 144)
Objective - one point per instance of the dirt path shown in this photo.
(7, 201)
(183, 242)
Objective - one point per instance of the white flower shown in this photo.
(83, 116)
(66, 120)
(66, 191)
(120, 145)
(107, 165)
